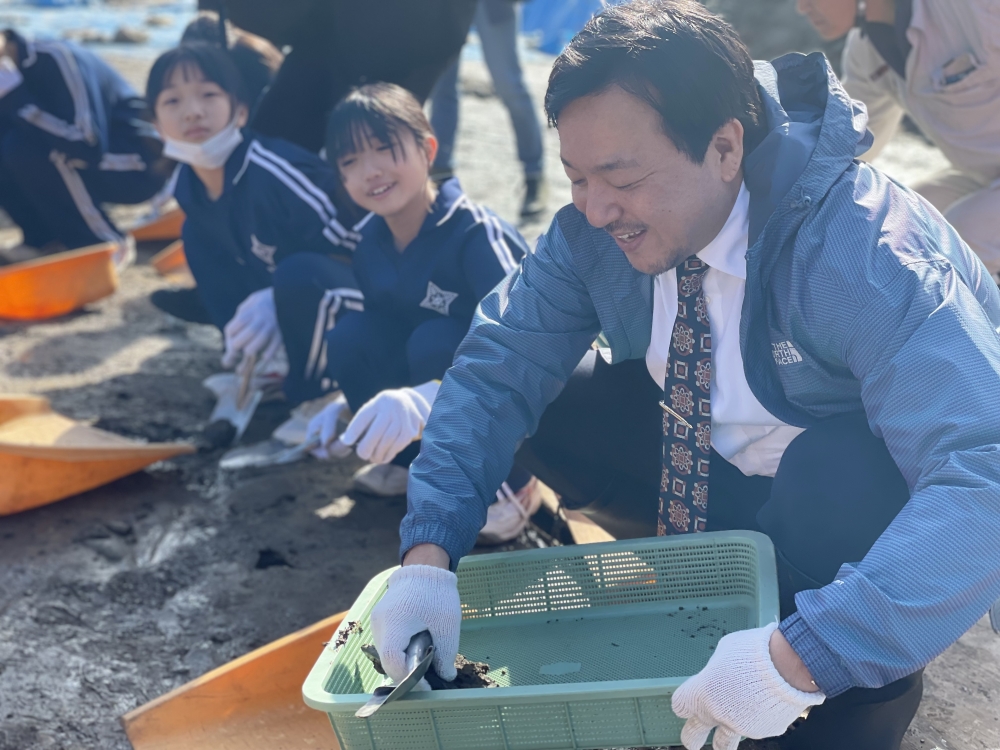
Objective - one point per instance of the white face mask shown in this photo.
(210, 154)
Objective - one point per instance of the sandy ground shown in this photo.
(114, 597)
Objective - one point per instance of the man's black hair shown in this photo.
(214, 63)
(685, 62)
(375, 111)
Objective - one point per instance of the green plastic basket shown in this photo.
(587, 642)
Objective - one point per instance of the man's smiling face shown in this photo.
(631, 180)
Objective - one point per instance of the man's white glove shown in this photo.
(739, 692)
(420, 597)
(323, 426)
(390, 421)
(253, 329)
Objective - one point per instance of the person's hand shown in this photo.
(390, 421)
(253, 329)
(420, 597)
(322, 427)
(739, 693)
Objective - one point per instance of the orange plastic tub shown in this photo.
(45, 457)
(57, 284)
(165, 227)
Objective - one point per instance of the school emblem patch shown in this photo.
(262, 251)
(438, 299)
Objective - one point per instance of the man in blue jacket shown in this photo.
(822, 342)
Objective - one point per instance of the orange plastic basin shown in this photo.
(165, 227)
(45, 457)
(57, 284)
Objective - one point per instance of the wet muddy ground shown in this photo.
(112, 598)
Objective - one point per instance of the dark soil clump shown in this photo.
(471, 674)
(345, 633)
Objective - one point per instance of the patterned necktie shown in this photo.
(687, 417)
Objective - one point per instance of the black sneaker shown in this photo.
(181, 303)
(536, 194)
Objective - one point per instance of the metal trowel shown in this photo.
(230, 407)
(419, 654)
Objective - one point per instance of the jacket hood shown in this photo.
(814, 133)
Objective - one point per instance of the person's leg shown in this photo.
(496, 23)
(971, 205)
(599, 445)
(364, 355)
(62, 207)
(36, 231)
(976, 217)
(444, 118)
(312, 293)
(819, 516)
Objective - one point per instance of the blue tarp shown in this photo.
(556, 21)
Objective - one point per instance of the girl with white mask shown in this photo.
(262, 238)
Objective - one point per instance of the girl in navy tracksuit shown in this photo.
(425, 259)
(261, 234)
(71, 137)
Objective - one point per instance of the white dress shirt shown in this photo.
(743, 431)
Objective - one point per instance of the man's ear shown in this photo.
(727, 148)
(241, 116)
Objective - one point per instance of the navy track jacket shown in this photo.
(79, 103)
(277, 199)
(462, 251)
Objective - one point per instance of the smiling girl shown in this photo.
(261, 234)
(426, 257)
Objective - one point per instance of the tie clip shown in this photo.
(676, 416)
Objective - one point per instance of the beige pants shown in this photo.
(971, 204)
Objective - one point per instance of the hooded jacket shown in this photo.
(859, 296)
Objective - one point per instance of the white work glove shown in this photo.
(253, 329)
(323, 426)
(10, 76)
(390, 421)
(739, 692)
(420, 597)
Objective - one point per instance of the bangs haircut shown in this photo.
(682, 60)
(210, 60)
(375, 113)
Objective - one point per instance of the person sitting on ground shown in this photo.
(426, 257)
(936, 62)
(256, 58)
(261, 233)
(794, 344)
(258, 62)
(72, 136)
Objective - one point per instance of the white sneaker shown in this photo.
(384, 480)
(508, 516)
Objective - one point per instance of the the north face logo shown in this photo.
(785, 353)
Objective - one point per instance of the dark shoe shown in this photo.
(536, 194)
(181, 303)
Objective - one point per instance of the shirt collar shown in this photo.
(444, 207)
(727, 252)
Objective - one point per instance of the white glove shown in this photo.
(739, 692)
(420, 597)
(390, 421)
(10, 76)
(323, 426)
(253, 329)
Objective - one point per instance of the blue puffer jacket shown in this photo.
(858, 296)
